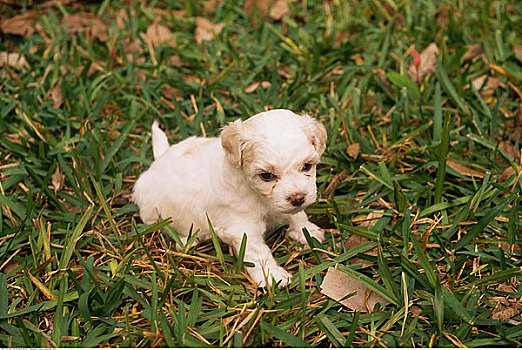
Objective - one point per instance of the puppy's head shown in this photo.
(278, 152)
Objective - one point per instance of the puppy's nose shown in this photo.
(297, 199)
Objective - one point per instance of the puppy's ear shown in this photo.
(231, 141)
(316, 133)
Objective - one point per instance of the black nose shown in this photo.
(296, 199)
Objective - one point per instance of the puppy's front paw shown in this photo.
(274, 272)
(298, 235)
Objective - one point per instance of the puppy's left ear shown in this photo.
(316, 133)
(231, 141)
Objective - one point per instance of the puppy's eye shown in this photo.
(267, 176)
(307, 167)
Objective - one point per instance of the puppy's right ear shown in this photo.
(231, 141)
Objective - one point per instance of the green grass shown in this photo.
(79, 269)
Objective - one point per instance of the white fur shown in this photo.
(219, 177)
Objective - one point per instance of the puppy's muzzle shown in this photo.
(297, 199)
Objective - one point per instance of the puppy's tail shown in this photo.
(160, 144)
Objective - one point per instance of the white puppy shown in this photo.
(258, 174)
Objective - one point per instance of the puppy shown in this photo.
(256, 175)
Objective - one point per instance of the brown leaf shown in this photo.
(123, 18)
(253, 87)
(491, 83)
(353, 150)
(13, 59)
(337, 286)
(279, 10)
(353, 242)
(505, 312)
(336, 181)
(444, 11)
(371, 218)
(24, 24)
(427, 65)
(511, 151)
(211, 6)
(158, 34)
(86, 22)
(464, 170)
(205, 30)
(57, 95)
(133, 50)
(473, 51)
(517, 49)
(58, 179)
(506, 174)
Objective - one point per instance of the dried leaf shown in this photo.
(279, 10)
(253, 87)
(24, 24)
(444, 11)
(205, 30)
(427, 65)
(158, 34)
(57, 95)
(371, 218)
(505, 312)
(336, 181)
(506, 174)
(133, 51)
(123, 18)
(473, 51)
(511, 151)
(13, 59)
(517, 49)
(86, 22)
(211, 6)
(353, 150)
(464, 170)
(337, 286)
(491, 82)
(58, 179)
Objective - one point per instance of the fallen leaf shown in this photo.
(10, 267)
(13, 59)
(353, 150)
(211, 6)
(58, 180)
(279, 10)
(506, 174)
(57, 95)
(336, 181)
(253, 87)
(473, 51)
(517, 50)
(353, 242)
(511, 151)
(85, 22)
(371, 218)
(427, 65)
(505, 312)
(491, 83)
(133, 51)
(205, 30)
(464, 170)
(24, 24)
(123, 18)
(444, 11)
(158, 34)
(276, 9)
(337, 286)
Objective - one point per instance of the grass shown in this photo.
(79, 269)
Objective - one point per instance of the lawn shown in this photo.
(419, 185)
